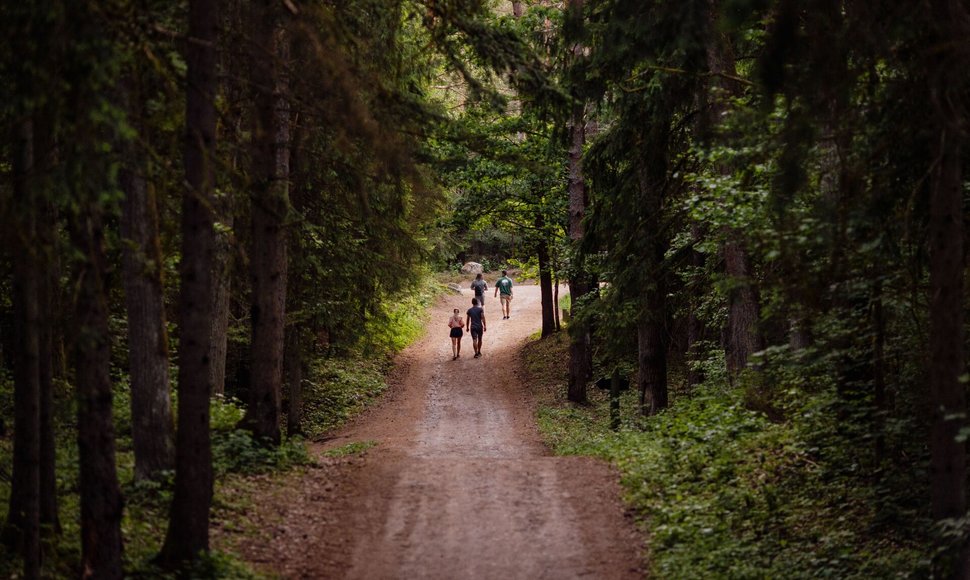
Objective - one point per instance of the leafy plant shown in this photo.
(355, 448)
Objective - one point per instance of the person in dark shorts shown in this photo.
(475, 322)
(479, 286)
(456, 324)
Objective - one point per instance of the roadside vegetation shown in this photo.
(338, 386)
(725, 491)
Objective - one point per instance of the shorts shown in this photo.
(481, 299)
(477, 333)
(456, 332)
(503, 298)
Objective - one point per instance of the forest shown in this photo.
(221, 222)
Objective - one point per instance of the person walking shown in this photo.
(475, 322)
(480, 287)
(456, 324)
(504, 285)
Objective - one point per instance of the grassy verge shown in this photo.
(723, 492)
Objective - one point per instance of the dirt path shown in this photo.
(459, 485)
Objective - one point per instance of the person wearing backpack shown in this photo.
(480, 287)
(504, 285)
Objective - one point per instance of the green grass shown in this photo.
(723, 492)
(355, 448)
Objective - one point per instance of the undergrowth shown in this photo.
(723, 492)
(337, 387)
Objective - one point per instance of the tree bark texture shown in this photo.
(744, 312)
(945, 232)
(101, 503)
(579, 347)
(234, 66)
(221, 295)
(743, 337)
(652, 334)
(151, 404)
(49, 519)
(652, 320)
(545, 280)
(23, 518)
(268, 262)
(555, 301)
(44, 152)
(652, 363)
(947, 393)
(188, 530)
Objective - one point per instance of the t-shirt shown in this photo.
(479, 286)
(504, 285)
(475, 314)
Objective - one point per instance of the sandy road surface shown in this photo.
(459, 485)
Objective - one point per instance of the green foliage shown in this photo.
(722, 491)
(338, 389)
(355, 448)
(237, 451)
(527, 269)
(400, 319)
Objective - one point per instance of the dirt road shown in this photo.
(458, 485)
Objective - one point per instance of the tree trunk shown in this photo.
(799, 336)
(744, 312)
(49, 519)
(23, 518)
(234, 65)
(151, 406)
(743, 337)
(545, 280)
(652, 360)
(517, 8)
(44, 159)
(101, 503)
(555, 301)
(579, 347)
(946, 364)
(221, 295)
(652, 290)
(879, 372)
(268, 262)
(695, 326)
(188, 530)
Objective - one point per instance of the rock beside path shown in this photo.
(472, 268)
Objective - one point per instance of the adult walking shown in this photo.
(475, 322)
(480, 287)
(455, 324)
(504, 286)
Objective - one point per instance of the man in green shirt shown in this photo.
(504, 285)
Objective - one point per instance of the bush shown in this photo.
(237, 451)
(337, 389)
(724, 492)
